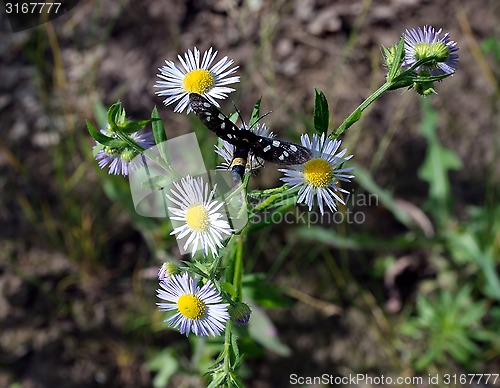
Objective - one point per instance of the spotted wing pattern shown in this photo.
(271, 150)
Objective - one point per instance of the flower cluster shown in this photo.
(317, 178)
(200, 217)
(314, 171)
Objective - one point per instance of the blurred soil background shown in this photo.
(78, 271)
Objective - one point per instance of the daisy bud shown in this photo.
(240, 313)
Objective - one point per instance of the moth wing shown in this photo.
(280, 152)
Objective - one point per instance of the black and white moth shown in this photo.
(244, 140)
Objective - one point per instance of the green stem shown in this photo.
(356, 114)
(131, 143)
(227, 349)
(238, 269)
(243, 187)
(214, 267)
(266, 192)
(269, 200)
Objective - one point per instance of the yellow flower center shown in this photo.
(127, 155)
(191, 307)
(318, 173)
(197, 218)
(198, 81)
(426, 50)
(111, 150)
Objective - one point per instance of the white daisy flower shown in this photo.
(202, 226)
(320, 176)
(226, 150)
(196, 77)
(197, 310)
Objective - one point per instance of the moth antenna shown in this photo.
(260, 118)
(239, 115)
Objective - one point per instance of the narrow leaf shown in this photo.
(159, 133)
(356, 115)
(365, 180)
(234, 117)
(255, 113)
(257, 288)
(114, 114)
(157, 125)
(429, 78)
(100, 114)
(437, 163)
(98, 136)
(398, 59)
(133, 126)
(262, 330)
(321, 113)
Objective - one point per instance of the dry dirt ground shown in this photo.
(64, 323)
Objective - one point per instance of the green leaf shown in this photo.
(115, 115)
(97, 135)
(425, 309)
(159, 134)
(283, 201)
(255, 113)
(465, 249)
(366, 181)
(437, 163)
(491, 45)
(360, 242)
(100, 114)
(133, 126)
(217, 381)
(321, 113)
(234, 117)
(235, 349)
(356, 115)
(229, 288)
(165, 364)
(103, 139)
(462, 349)
(398, 59)
(277, 199)
(385, 51)
(279, 208)
(426, 359)
(427, 78)
(265, 294)
(262, 330)
(158, 129)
